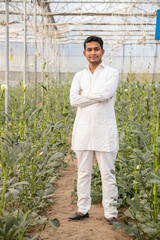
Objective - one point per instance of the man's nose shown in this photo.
(93, 51)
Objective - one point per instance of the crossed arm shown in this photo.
(84, 98)
(76, 98)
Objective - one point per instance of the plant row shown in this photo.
(138, 161)
(33, 144)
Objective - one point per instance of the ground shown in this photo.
(93, 228)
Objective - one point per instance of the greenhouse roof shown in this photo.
(118, 22)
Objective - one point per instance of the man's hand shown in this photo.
(80, 92)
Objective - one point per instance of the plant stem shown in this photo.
(4, 188)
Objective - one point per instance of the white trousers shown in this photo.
(106, 162)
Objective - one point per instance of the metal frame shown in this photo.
(81, 2)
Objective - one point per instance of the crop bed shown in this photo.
(33, 146)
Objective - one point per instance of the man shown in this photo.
(95, 130)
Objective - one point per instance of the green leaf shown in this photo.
(20, 183)
(2, 233)
(44, 87)
(12, 181)
(40, 221)
(144, 172)
(137, 203)
(134, 204)
(117, 226)
(139, 154)
(54, 164)
(1, 224)
(140, 134)
(10, 144)
(154, 180)
(49, 191)
(53, 179)
(10, 222)
(54, 222)
(47, 196)
(36, 111)
(151, 231)
(56, 156)
(10, 237)
(65, 114)
(25, 216)
(129, 230)
(150, 176)
(34, 214)
(13, 191)
(35, 236)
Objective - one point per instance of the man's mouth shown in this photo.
(93, 57)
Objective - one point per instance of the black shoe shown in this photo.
(78, 217)
(112, 220)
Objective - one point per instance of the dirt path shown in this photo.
(93, 228)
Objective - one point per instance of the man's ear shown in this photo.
(103, 51)
(84, 53)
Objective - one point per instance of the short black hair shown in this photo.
(93, 39)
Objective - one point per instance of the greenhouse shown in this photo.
(41, 51)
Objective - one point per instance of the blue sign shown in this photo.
(157, 35)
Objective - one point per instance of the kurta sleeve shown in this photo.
(77, 100)
(105, 93)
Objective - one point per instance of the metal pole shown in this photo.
(119, 2)
(42, 73)
(35, 49)
(123, 60)
(7, 64)
(155, 63)
(52, 56)
(25, 50)
(59, 67)
(47, 60)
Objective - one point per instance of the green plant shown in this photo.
(31, 154)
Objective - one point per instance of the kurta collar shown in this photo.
(101, 65)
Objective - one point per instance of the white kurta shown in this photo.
(95, 125)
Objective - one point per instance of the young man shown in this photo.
(95, 130)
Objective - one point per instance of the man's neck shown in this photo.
(93, 66)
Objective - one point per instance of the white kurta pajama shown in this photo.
(95, 130)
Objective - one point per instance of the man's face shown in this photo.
(93, 52)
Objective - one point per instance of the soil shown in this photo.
(93, 228)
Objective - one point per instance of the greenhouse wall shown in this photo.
(62, 63)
